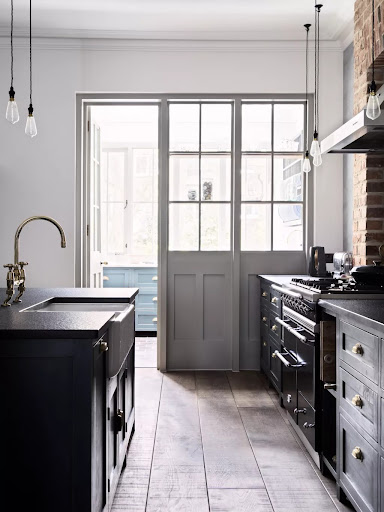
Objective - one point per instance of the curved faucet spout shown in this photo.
(30, 219)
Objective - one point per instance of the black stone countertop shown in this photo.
(369, 312)
(14, 323)
(282, 279)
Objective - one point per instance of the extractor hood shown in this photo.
(358, 135)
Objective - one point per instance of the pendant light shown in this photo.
(306, 162)
(373, 107)
(12, 113)
(30, 127)
(315, 146)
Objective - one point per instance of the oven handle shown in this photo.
(286, 291)
(291, 330)
(285, 362)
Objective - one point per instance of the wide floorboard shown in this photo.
(215, 442)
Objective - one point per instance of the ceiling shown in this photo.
(179, 19)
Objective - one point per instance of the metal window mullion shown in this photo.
(272, 168)
(199, 245)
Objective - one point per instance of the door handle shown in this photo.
(291, 330)
(103, 262)
(285, 362)
(300, 411)
(119, 423)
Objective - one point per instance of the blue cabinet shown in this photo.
(146, 301)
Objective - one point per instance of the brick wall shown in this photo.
(368, 178)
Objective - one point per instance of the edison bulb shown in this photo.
(373, 106)
(306, 163)
(315, 147)
(317, 160)
(30, 127)
(12, 114)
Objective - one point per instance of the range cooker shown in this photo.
(308, 353)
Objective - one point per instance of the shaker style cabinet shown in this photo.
(146, 301)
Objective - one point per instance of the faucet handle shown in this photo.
(9, 265)
(23, 264)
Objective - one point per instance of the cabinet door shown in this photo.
(99, 419)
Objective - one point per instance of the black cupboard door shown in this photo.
(99, 420)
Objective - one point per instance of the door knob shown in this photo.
(357, 401)
(357, 453)
(358, 349)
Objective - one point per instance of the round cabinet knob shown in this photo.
(358, 349)
(264, 319)
(103, 262)
(274, 300)
(103, 346)
(357, 453)
(357, 401)
(274, 328)
(264, 294)
(265, 344)
(274, 355)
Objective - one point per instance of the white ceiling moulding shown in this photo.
(153, 45)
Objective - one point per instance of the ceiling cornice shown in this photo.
(163, 45)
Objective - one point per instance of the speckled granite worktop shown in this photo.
(14, 323)
(372, 311)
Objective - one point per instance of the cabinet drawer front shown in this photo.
(274, 328)
(145, 321)
(274, 300)
(116, 278)
(360, 349)
(146, 278)
(274, 364)
(360, 402)
(306, 419)
(264, 293)
(264, 318)
(264, 348)
(359, 467)
(146, 300)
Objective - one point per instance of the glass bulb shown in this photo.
(12, 114)
(373, 106)
(317, 160)
(306, 164)
(30, 127)
(315, 148)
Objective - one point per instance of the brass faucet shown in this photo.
(16, 272)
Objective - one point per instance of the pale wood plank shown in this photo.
(146, 352)
(177, 505)
(249, 390)
(239, 500)
(296, 499)
(178, 482)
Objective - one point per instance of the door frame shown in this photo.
(85, 100)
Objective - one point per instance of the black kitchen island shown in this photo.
(66, 421)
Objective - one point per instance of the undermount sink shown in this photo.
(121, 332)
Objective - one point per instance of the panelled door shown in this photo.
(199, 235)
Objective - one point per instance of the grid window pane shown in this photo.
(256, 178)
(215, 178)
(144, 170)
(215, 227)
(115, 228)
(144, 229)
(288, 227)
(116, 163)
(256, 227)
(184, 127)
(216, 127)
(289, 127)
(183, 178)
(256, 127)
(288, 178)
(183, 227)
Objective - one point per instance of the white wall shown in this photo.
(38, 176)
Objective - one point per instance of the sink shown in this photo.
(121, 332)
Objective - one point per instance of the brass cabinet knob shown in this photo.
(274, 355)
(154, 299)
(357, 401)
(103, 346)
(264, 294)
(264, 319)
(154, 319)
(358, 349)
(274, 328)
(154, 278)
(265, 344)
(103, 262)
(119, 420)
(357, 453)
(274, 300)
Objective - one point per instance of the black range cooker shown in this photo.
(308, 352)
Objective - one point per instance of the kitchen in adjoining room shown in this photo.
(192, 240)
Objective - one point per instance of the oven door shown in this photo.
(306, 376)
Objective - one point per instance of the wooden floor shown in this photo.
(214, 441)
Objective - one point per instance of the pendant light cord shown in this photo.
(30, 52)
(373, 41)
(11, 43)
(315, 109)
(306, 78)
(318, 68)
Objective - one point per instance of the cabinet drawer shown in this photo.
(360, 349)
(274, 300)
(360, 402)
(274, 328)
(264, 349)
(306, 419)
(359, 467)
(264, 293)
(146, 300)
(116, 278)
(264, 318)
(274, 365)
(145, 321)
(146, 278)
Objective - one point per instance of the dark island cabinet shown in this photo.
(65, 426)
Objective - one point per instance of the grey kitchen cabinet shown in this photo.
(56, 422)
(270, 333)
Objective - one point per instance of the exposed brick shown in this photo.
(374, 225)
